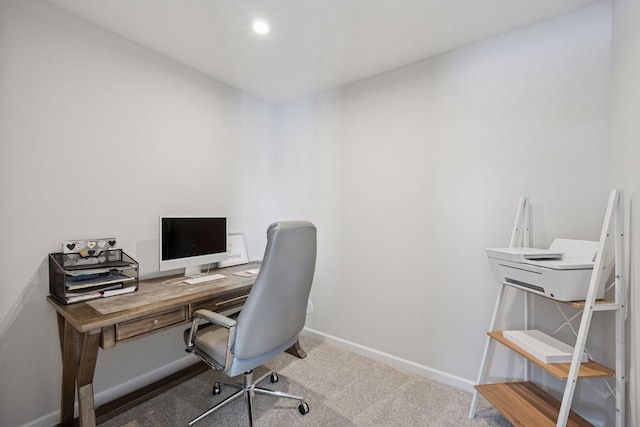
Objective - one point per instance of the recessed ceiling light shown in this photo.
(261, 27)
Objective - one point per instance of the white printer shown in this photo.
(562, 272)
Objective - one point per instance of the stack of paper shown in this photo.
(542, 346)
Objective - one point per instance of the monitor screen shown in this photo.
(192, 242)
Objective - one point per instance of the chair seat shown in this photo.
(211, 339)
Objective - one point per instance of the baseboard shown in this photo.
(147, 378)
(53, 418)
(391, 360)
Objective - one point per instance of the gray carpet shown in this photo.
(342, 389)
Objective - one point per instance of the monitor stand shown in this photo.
(193, 271)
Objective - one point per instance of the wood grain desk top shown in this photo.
(152, 297)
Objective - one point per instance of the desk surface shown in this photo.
(151, 297)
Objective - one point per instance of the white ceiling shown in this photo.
(314, 45)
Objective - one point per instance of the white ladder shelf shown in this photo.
(524, 403)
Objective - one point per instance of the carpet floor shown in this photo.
(341, 388)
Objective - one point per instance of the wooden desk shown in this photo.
(120, 319)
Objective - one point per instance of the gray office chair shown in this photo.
(270, 320)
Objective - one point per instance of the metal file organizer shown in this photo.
(111, 273)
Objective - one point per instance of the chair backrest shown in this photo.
(275, 310)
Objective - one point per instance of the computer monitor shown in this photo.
(192, 242)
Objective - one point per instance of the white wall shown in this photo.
(98, 137)
(409, 175)
(624, 166)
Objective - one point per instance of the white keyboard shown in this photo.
(203, 279)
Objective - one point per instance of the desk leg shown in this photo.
(297, 350)
(79, 356)
(69, 370)
(87, 366)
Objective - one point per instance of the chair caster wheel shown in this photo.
(274, 378)
(303, 408)
(216, 389)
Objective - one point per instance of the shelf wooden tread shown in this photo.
(526, 405)
(590, 369)
(581, 304)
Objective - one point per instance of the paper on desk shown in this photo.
(248, 273)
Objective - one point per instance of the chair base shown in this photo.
(249, 389)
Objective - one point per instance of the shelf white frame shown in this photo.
(613, 225)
